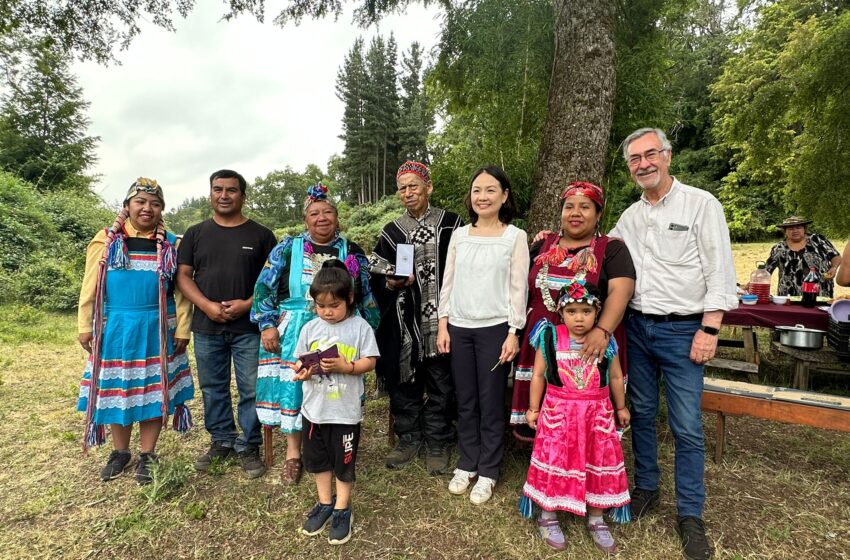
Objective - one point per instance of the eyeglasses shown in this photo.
(651, 156)
(413, 187)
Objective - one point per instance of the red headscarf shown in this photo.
(583, 188)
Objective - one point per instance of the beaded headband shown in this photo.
(577, 292)
(145, 185)
(418, 169)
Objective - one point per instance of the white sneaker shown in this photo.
(482, 491)
(461, 481)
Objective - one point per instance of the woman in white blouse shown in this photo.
(482, 306)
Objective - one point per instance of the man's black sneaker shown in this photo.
(318, 518)
(437, 459)
(341, 524)
(251, 463)
(143, 467)
(218, 450)
(643, 501)
(403, 453)
(694, 542)
(116, 464)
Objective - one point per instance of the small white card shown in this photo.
(404, 259)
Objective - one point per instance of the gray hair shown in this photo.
(665, 143)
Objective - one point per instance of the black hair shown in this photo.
(229, 174)
(508, 211)
(333, 278)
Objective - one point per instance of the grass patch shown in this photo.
(781, 491)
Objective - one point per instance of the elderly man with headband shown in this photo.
(418, 379)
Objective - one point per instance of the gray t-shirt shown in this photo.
(336, 398)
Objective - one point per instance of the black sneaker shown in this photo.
(643, 501)
(341, 526)
(318, 518)
(694, 542)
(403, 453)
(218, 450)
(116, 464)
(437, 459)
(251, 463)
(143, 467)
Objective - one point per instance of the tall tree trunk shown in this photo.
(581, 106)
(384, 174)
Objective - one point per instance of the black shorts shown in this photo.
(331, 447)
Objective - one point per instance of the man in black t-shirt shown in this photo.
(218, 262)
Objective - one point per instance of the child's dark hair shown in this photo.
(333, 278)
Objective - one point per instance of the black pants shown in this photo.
(429, 418)
(480, 397)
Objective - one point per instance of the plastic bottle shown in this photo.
(760, 283)
(811, 288)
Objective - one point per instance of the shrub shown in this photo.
(48, 283)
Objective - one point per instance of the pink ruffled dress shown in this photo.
(577, 459)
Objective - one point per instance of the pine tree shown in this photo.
(42, 121)
(417, 118)
(351, 83)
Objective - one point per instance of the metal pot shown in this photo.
(799, 336)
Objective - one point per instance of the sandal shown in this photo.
(291, 473)
(551, 533)
(602, 537)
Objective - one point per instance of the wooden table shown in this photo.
(735, 398)
(803, 360)
(770, 316)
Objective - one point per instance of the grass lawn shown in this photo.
(781, 492)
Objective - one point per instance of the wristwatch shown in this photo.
(709, 330)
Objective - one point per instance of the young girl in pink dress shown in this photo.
(577, 462)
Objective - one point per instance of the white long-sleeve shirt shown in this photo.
(486, 279)
(681, 251)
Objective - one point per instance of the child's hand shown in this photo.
(302, 373)
(531, 418)
(624, 418)
(335, 365)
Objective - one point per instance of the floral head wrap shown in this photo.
(317, 193)
(578, 291)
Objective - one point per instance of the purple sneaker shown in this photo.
(550, 532)
(602, 537)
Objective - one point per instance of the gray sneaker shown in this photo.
(116, 464)
(252, 464)
(403, 453)
(218, 450)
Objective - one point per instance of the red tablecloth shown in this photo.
(770, 315)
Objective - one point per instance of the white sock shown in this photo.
(548, 514)
(594, 519)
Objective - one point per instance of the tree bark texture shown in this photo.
(581, 106)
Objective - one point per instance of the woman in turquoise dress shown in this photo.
(135, 325)
(282, 306)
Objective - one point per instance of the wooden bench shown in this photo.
(806, 360)
(734, 398)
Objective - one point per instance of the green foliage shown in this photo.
(196, 510)
(49, 283)
(490, 85)
(24, 227)
(169, 477)
(190, 212)
(21, 324)
(43, 122)
(783, 113)
(363, 223)
(277, 199)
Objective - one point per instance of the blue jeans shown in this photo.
(663, 349)
(213, 353)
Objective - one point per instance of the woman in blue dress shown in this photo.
(134, 324)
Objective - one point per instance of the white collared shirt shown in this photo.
(681, 251)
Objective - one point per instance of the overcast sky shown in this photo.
(242, 95)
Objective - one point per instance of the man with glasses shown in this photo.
(419, 381)
(679, 242)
